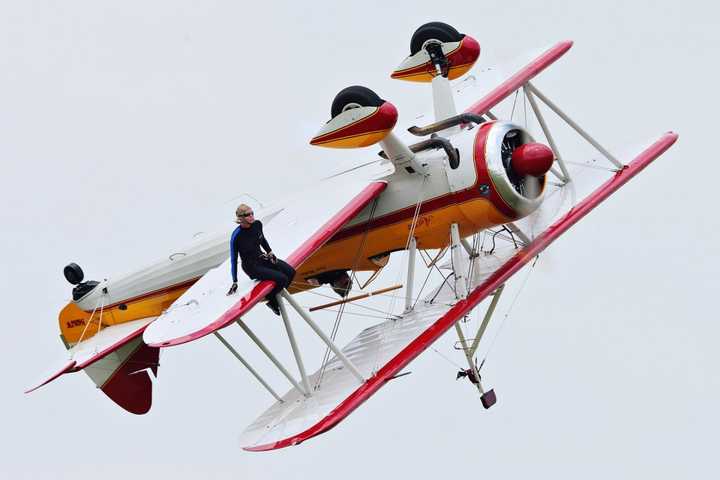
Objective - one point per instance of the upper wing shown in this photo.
(381, 351)
(298, 231)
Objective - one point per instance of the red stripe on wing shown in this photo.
(524, 75)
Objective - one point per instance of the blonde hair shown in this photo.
(242, 208)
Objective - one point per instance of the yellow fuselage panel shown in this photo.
(342, 252)
(74, 321)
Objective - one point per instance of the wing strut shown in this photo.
(488, 397)
(461, 288)
(458, 262)
(410, 274)
(565, 175)
(331, 345)
(247, 365)
(531, 90)
(468, 248)
(305, 389)
(294, 346)
(272, 358)
(486, 320)
(515, 230)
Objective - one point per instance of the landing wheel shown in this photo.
(438, 31)
(354, 97)
(73, 273)
(342, 285)
(339, 280)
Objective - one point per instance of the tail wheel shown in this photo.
(438, 31)
(354, 97)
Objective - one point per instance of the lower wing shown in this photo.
(380, 352)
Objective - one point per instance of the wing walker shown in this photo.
(475, 196)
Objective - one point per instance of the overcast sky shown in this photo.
(125, 127)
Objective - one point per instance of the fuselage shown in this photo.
(474, 195)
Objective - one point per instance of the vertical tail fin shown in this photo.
(123, 375)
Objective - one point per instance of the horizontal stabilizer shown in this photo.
(97, 347)
(69, 367)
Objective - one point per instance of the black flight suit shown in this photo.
(246, 242)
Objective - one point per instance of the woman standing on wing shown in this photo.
(246, 241)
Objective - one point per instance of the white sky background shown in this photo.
(127, 127)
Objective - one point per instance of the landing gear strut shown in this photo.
(464, 285)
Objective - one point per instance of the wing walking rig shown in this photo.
(469, 175)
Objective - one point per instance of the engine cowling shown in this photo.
(511, 167)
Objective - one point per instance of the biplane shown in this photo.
(476, 195)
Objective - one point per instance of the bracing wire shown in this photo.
(447, 358)
(427, 277)
(333, 335)
(102, 307)
(445, 280)
(341, 310)
(411, 234)
(510, 308)
(87, 325)
(512, 113)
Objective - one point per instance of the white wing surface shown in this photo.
(300, 228)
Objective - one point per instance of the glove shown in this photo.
(233, 289)
(271, 256)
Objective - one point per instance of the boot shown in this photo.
(273, 305)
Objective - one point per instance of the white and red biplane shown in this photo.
(470, 174)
